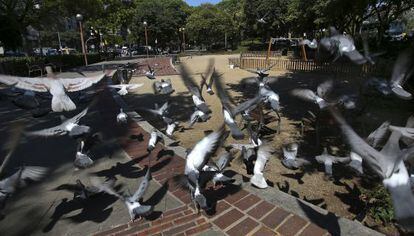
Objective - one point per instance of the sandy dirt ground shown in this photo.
(334, 195)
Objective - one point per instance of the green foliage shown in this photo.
(207, 25)
(379, 204)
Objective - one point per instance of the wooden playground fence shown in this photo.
(381, 68)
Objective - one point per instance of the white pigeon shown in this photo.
(318, 97)
(57, 87)
(171, 128)
(70, 126)
(124, 88)
(258, 179)
(122, 117)
(135, 208)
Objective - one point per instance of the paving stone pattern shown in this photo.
(238, 213)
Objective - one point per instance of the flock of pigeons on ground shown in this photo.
(391, 161)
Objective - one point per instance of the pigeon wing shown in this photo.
(189, 82)
(143, 186)
(378, 135)
(26, 83)
(246, 105)
(305, 94)
(81, 83)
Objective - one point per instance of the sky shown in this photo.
(198, 2)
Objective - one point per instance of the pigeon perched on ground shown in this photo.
(163, 87)
(402, 71)
(258, 179)
(342, 45)
(290, 160)
(196, 92)
(124, 88)
(171, 126)
(122, 117)
(154, 138)
(85, 144)
(133, 203)
(150, 74)
(388, 164)
(57, 87)
(318, 97)
(311, 44)
(327, 159)
(70, 126)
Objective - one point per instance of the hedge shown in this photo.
(19, 65)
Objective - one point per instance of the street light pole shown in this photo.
(79, 18)
(183, 30)
(146, 38)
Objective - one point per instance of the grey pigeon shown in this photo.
(342, 45)
(150, 74)
(318, 97)
(85, 144)
(290, 159)
(402, 71)
(155, 136)
(376, 137)
(198, 116)
(219, 167)
(196, 92)
(388, 164)
(163, 87)
(208, 75)
(133, 203)
(70, 126)
(82, 191)
(122, 117)
(327, 159)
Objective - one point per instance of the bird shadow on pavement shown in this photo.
(162, 153)
(327, 221)
(213, 195)
(155, 199)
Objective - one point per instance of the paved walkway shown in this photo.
(236, 211)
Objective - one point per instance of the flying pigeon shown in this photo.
(342, 45)
(154, 138)
(218, 169)
(388, 164)
(229, 112)
(82, 191)
(160, 112)
(258, 179)
(133, 204)
(262, 19)
(208, 74)
(196, 92)
(11, 184)
(271, 98)
(311, 44)
(290, 160)
(57, 87)
(402, 71)
(122, 117)
(150, 74)
(356, 162)
(409, 124)
(198, 116)
(69, 126)
(124, 88)
(85, 144)
(163, 87)
(318, 97)
(381, 85)
(379, 135)
(327, 159)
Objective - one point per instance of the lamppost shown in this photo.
(79, 18)
(146, 37)
(183, 30)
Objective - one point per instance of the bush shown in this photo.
(19, 65)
